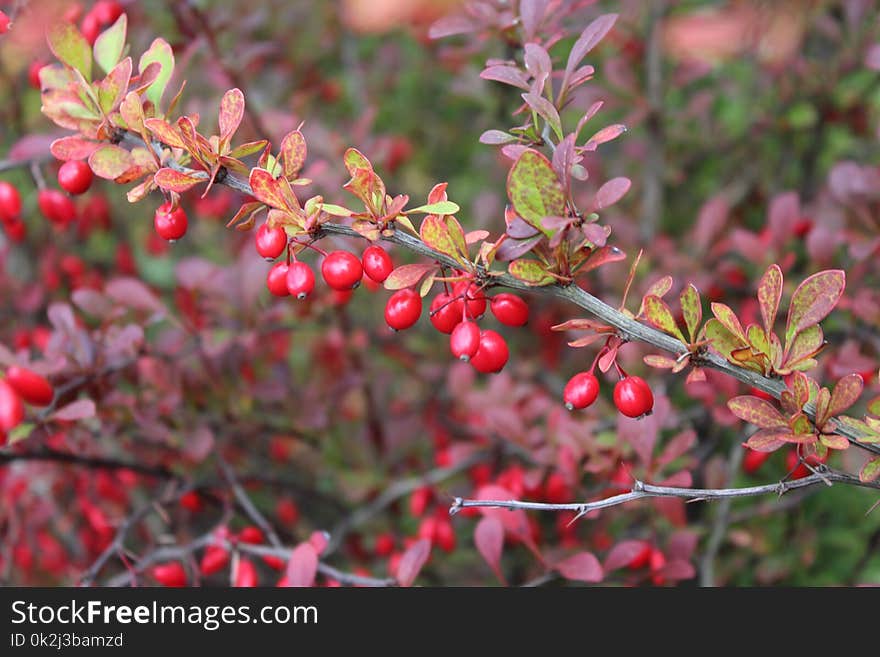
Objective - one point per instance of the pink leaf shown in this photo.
(611, 192)
(231, 113)
(589, 38)
(623, 553)
(506, 74)
(412, 562)
(302, 566)
(583, 567)
(74, 411)
(489, 538)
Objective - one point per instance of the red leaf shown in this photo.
(604, 135)
(814, 299)
(293, 152)
(73, 148)
(768, 440)
(489, 539)
(176, 181)
(267, 189)
(622, 554)
(589, 38)
(302, 566)
(769, 294)
(407, 275)
(583, 567)
(846, 393)
(231, 113)
(757, 411)
(133, 293)
(412, 562)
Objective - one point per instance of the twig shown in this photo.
(642, 491)
(247, 505)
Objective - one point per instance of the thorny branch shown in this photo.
(642, 490)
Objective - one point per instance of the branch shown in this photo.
(641, 491)
(627, 328)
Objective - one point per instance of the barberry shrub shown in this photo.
(437, 296)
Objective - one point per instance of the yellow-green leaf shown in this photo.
(530, 271)
(814, 299)
(660, 316)
(70, 46)
(691, 310)
(535, 190)
(110, 44)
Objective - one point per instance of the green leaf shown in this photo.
(231, 113)
(435, 232)
(660, 316)
(110, 161)
(111, 90)
(757, 411)
(177, 181)
(248, 148)
(19, 433)
(692, 310)
(110, 44)
(546, 111)
(874, 406)
(439, 208)
(813, 300)
(870, 471)
(805, 345)
(769, 294)
(70, 46)
(534, 189)
(530, 271)
(729, 320)
(336, 210)
(161, 53)
(722, 340)
(833, 441)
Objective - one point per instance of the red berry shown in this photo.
(271, 241)
(492, 355)
(11, 407)
(192, 501)
(377, 263)
(75, 177)
(642, 558)
(444, 535)
(445, 313)
(251, 534)
(657, 560)
(276, 279)
(753, 460)
(633, 396)
(465, 341)
(34, 73)
(214, 560)
(384, 545)
(300, 280)
(4, 22)
(581, 391)
(420, 499)
(473, 296)
(90, 27)
(170, 224)
(10, 201)
(342, 270)
(509, 309)
(403, 309)
(287, 511)
(32, 387)
(56, 207)
(245, 574)
(800, 470)
(169, 574)
(341, 297)
(16, 229)
(556, 490)
(107, 11)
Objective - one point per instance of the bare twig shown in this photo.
(247, 505)
(642, 491)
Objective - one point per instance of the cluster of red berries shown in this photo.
(632, 394)
(456, 313)
(21, 385)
